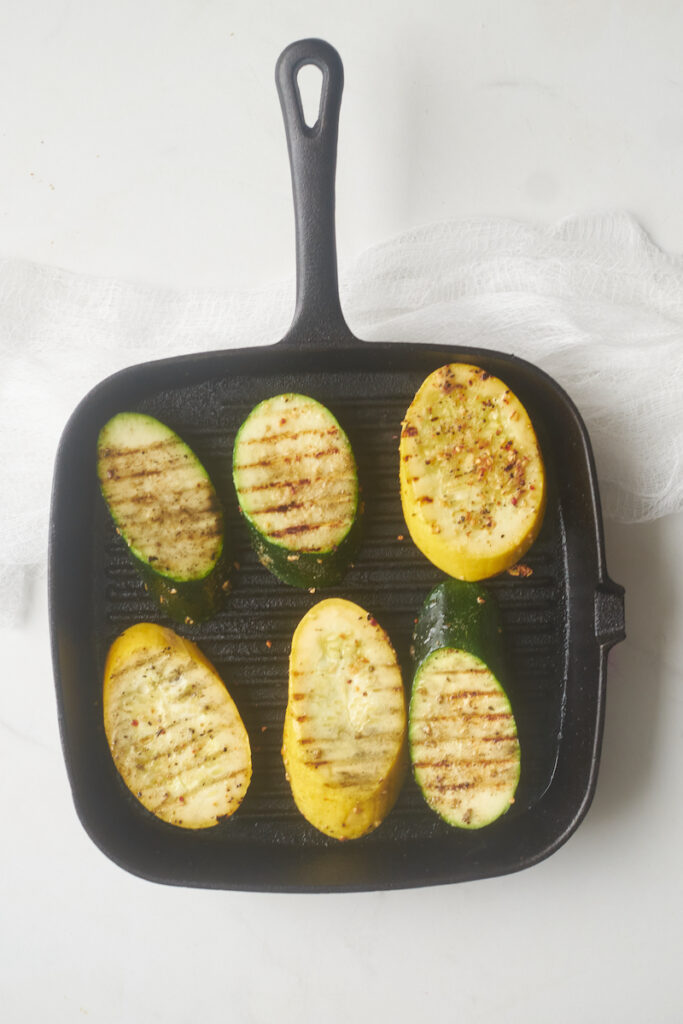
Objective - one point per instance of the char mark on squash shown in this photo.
(292, 435)
(276, 460)
(298, 528)
(274, 484)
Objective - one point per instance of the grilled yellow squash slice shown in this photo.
(344, 744)
(471, 472)
(174, 732)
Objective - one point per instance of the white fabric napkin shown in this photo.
(591, 300)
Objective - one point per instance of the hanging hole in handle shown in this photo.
(309, 80)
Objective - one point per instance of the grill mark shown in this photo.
(191, 689)
(199, 741)
(172, 518)
(157, 661)
(112, 452)
(123, 467)
(451, 762)
(206, 784)
(391, 666)
(277, 460)
(371, 758)
(336, 499)
(457, 694)
(171, 497)
(326, 478)
(297, 528)
(142, 659)
(290, 506)
(460, 672)
(461, 737)
(359, 779)
(488, 716)
(293, 435)
(120, 478)
(211, 532)
(221, 736)
(293, 484)
(313, 696)
(480, 785)
(391, 735)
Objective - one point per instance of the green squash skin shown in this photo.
(464, 616)
(307, 569)
(184, 601)
(187, 601)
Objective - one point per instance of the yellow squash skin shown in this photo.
(472, 477)
(344, 741)
(175, 734)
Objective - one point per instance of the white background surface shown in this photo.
(143, 139)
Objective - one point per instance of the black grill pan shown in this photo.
(559, 622)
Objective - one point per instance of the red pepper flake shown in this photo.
(514, 501)
(135, 722)
(182, 799)
(372, 620)
(520, 570)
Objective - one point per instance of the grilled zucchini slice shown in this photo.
(471, 472)
(297, 486)
(175, 734)
(462, 734)
(166, 510)
(345, 723)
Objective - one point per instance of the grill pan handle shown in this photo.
(318, 317)
(610, 616)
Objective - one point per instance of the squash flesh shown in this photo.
(175, 734)
(295, 474)
(463, 739)
(471, 473)
(160, 497)
(345, 723)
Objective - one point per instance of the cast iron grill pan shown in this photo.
(558, 622)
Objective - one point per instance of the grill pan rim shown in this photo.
(197, 369)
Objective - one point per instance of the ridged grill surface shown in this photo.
(249, 640)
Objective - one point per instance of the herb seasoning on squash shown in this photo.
(471, 473)
(166, 510)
